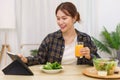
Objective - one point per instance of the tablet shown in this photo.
(17, 67)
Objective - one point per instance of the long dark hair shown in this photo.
(69, 9)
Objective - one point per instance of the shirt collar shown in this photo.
(59, 33)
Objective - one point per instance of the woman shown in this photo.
(60, 45)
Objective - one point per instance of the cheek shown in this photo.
(70, 23)
(58, 22)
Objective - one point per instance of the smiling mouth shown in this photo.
(62, 27)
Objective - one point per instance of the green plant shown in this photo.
(110, 41)
(34, 52)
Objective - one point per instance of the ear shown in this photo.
(74, 19)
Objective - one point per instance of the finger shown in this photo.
(85, 51)
(20, 55)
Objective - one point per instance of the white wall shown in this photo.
(107, 13)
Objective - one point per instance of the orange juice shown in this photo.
(77, 50)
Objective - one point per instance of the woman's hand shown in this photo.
(85, 52)
(24, 59)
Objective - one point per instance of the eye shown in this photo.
(64, 18)
(58, 18)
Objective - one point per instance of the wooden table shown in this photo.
(70, 72)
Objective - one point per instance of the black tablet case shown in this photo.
(17, 67)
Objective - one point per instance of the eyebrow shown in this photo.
(64, 16)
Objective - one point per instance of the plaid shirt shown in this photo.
(52, 49)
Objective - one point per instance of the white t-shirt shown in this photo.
(69, 53)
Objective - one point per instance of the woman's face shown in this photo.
(64, 21)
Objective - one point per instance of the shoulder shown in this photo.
(56, 34)
(82, 34)
(52, 36)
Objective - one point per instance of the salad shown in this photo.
(104, 65)
(52, 66)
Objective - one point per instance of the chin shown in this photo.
(63, 31)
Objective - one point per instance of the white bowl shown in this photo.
(102, 73)
(51, 71)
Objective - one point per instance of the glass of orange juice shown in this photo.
(78, 46)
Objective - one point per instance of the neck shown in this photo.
(69, 33)
(69, 36)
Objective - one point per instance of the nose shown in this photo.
(60, 22)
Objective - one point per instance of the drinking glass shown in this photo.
(78, 46)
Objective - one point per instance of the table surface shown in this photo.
(70, 72)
